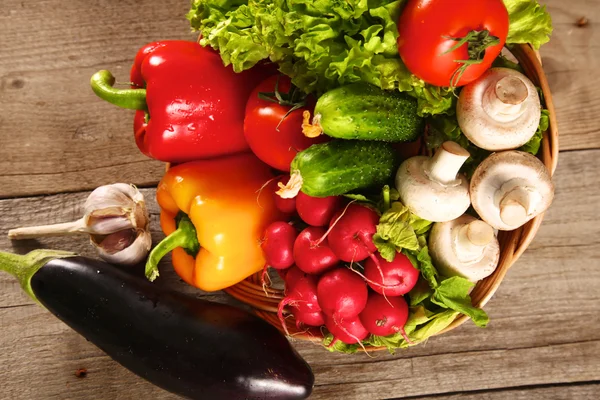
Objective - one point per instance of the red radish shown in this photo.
(282, 273)
(349, 330)
(310, 257)
(278, 245)
(316, 318)
(384, 317)
(286, 206)
(399, 276)
(351, 233)
(302, 295)
(293, 275)
(317, 211)
(342, 294)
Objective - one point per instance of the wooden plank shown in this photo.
(58, 137)
(545, 318)
(551, 392)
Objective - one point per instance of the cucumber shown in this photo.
(340, 166)
(364, 111)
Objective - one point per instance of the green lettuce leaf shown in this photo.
(529, 22)
(533, 146)
(422, 261)
(339, 346)
(399, 229)
(320, 44)
(453, 293)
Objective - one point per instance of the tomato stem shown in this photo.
(294, 98)
(477, 43)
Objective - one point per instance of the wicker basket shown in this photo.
(512, 244)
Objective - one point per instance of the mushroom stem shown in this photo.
(446, 163)
(471, 239)
(503, 101)
(516, 204)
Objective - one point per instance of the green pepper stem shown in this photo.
(102, 84)
(184, 236)
(23, 267)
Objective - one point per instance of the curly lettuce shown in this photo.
(322, 44)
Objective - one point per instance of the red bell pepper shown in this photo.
(189, 106)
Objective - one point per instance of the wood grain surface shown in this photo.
(58, 141)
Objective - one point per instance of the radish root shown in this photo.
(322, 238)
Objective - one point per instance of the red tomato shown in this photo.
(273, 138)
(426, 29)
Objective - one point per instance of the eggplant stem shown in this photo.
(23, 267)
(63, 229)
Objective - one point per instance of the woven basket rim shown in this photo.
(264, 301)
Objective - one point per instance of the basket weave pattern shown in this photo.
(512, 243)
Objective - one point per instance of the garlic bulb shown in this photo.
(116, 219)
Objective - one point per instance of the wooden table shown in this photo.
(58, 141)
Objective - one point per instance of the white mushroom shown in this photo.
(464, 247)
(432, 188)
(510, 188)
(499, 111)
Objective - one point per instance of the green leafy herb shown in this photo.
(533, 146)
(529, 22)
(398, 229)
(453, 293)
(339, 346)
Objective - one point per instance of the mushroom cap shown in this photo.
(500, 174)
(429, 199)
(496, 128)
(443, 249)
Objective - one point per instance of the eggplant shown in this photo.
(188, 346)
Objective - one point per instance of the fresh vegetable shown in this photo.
(464, 247)
(191, 347)
(364, 111)
(340, 166)
(451, 43)
(115, 218)
(432, 188)
(273, 122)
(286, 206)
(303, 319)
(293, 275)
(312, 253)
(399, 229)
(341, 294)
(520, 185)
(348, 330)
(384, 316)
(302, 296)
(351, 232)
(391, 278)
(214, 214)
(529, 22)
(189, 106)
(499, 111)
(323, 44)
(278, 245)
(317, 211)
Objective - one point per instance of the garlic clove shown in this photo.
(127, 247)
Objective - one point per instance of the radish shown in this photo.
(351, 232)
(317, 211)
(286, 206)
(293, 275)
(342, 294)
(316, 318)
(349, 330)
(391, 278)
(278, 245)
(302, 295)
(311, 257)
(384, 317)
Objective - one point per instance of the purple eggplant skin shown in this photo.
(188, 346)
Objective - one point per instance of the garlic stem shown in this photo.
(503, 101)
(446, 163)
(471, 240)
(63, 229)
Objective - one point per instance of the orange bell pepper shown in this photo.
(214, 213)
